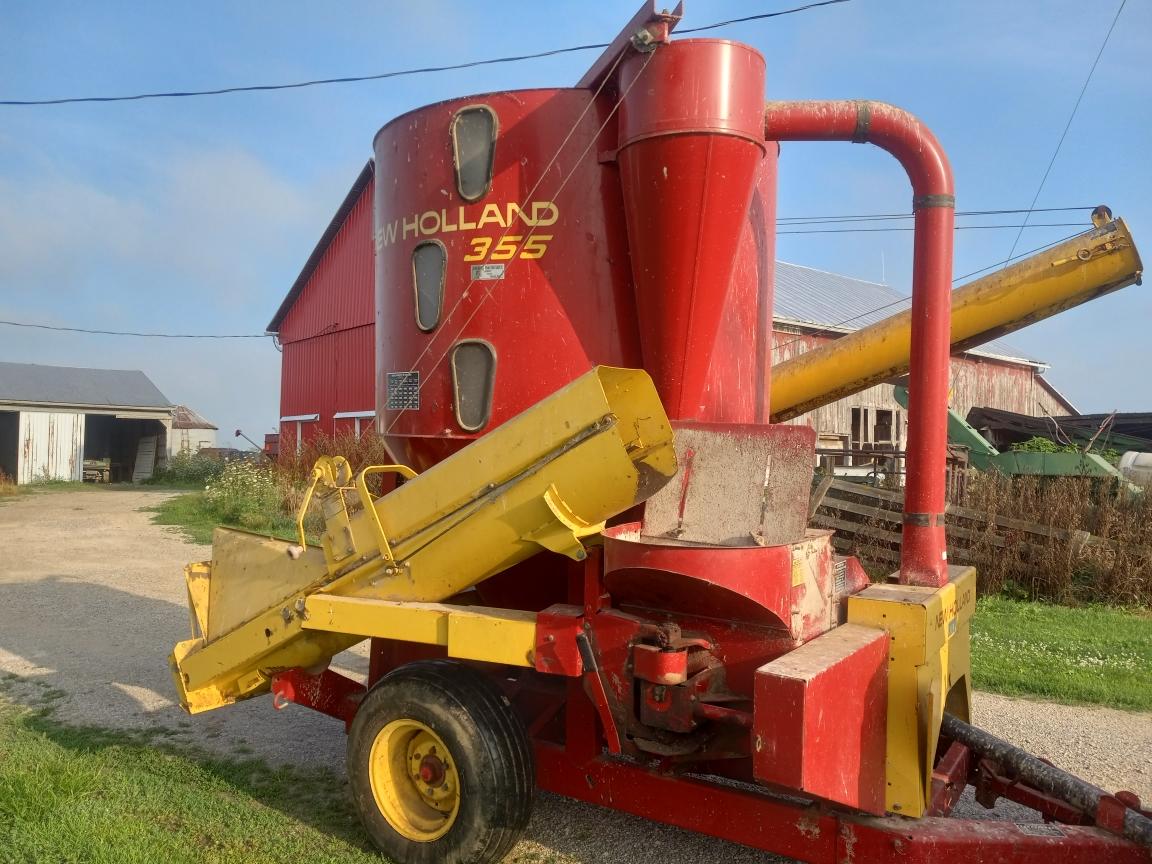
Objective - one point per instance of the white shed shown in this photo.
(65, 423)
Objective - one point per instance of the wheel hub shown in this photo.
(414, 780)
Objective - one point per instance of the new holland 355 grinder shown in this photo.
(590, 570)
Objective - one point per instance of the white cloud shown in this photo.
(193, 245)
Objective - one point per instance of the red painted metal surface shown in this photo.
(932, 840)
(738, 386)
(814, 834)
(326, 375)
(647, 239)
(557, 651)
(562, 300)
(746, 584)
(949, 779)
(660, 665)
(338, 295)
(691, 141)
(326, 333)
(804, 743)
(329, 693)
(923, 551)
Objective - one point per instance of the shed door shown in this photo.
(51, 446)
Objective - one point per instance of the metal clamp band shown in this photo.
(863, 122)
(924, 520)
(923, 202)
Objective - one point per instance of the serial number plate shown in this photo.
(487, 272)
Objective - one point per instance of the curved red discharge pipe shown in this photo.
(923, 557)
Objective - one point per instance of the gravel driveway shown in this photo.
(92, 599)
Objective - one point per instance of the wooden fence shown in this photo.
(868, 522)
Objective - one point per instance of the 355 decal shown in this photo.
(508, 247)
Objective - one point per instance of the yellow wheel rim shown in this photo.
(414, 780)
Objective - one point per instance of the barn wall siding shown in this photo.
(327, 335)
(326, 375)
(339, 294)
(51, 446)
(974, 381)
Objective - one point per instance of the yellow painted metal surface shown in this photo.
(928, 672)
(417, 809)
(265, 570)
(544, 480)
(469, 632)
(1071, 273)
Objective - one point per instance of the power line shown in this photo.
(134, 333)
(900, 300)
(759, 17)
(352, 79)
(1068, 125)
(879, 217)
(1020, 255)
(895, 302)
(910, 228)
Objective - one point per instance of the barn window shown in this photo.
(428, 262)
(473, 150)
(473, 373)
(877, 429)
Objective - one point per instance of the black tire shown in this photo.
(485, 739)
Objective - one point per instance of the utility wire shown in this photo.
(759, 17)
(1068, 125)
(134, 333)
(1018, 256)
(351, 79)
(910, 228)
(900, 300)
(880, 217)
(896, 302)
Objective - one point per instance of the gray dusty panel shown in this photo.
(738, 485)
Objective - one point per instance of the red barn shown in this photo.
(325, 329)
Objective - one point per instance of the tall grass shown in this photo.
(259, 496)
(188, 469)
(1065, 569)
(1100, 552)
(293, 469)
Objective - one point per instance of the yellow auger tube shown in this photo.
(545, 479)
(1074, 272)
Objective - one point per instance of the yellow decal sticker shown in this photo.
(535, 214)
(799, 568)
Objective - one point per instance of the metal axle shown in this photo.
(1039, 774)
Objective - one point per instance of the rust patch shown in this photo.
(809, 827)
(848, 836)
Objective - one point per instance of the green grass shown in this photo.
(71, 794)
(196, 518)
(1091, 654)
(190, 513)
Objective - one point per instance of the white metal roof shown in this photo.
(31, 383)
(820, 300)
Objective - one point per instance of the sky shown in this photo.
(196, 215)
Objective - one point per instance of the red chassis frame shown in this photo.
(571, 744)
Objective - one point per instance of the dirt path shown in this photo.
(92, 599)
